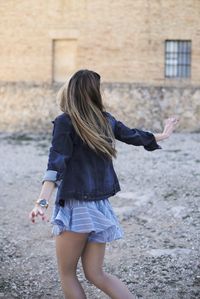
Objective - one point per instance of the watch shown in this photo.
(43, 203)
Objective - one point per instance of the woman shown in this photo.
(80, 166)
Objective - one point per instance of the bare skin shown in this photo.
(70, 246)
(46, 192)
(92, 261)
(170, 124)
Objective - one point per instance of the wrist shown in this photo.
(160, 136)
(164, 136)
(42, 202)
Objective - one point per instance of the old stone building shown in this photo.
(147, 52)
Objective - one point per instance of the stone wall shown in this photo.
(28, 108)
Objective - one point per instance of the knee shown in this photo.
(95, 277)
(67, 271)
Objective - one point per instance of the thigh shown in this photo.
(92, 259)
(69, 246)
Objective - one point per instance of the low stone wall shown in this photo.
(29, 107)
(148, 106)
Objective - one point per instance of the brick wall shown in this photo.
(122, 40)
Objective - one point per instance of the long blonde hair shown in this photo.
(81, 99)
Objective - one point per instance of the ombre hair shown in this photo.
(81, 99)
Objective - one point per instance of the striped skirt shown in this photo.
(95, 217)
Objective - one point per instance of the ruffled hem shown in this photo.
(96, 218)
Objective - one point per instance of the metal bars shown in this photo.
(177, 58)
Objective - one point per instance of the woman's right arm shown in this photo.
(45, 193)
(47, 190)
(59, 152)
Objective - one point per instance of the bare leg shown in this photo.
(69, 246)
(92, 262)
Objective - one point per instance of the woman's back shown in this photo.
(79, 171)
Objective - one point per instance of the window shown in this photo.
(64, 58)
(177, 58)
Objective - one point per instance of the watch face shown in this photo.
(43, 202)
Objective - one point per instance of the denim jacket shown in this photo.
(77, 170)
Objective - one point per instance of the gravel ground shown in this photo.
(158, 208)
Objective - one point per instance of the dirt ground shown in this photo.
(158, 208)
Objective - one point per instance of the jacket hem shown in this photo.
(85, 197)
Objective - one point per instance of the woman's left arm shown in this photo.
(170, 124)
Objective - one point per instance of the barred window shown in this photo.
(177, 58)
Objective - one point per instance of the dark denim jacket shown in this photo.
(78, 171)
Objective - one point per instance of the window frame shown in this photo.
(181, 70)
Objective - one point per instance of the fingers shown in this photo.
(35, 212)
(32, 215)
(44, 217)
(170, 124)
(173, 119)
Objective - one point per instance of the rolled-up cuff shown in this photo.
(52, 176)
(153, 145)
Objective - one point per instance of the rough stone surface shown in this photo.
(29, 108)
(158, 208)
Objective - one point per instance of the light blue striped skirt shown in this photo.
(95, 217)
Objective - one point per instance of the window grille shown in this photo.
(177, 58)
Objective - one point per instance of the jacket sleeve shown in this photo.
(134, 136)
(60, 151)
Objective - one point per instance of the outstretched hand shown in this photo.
(169, 125)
